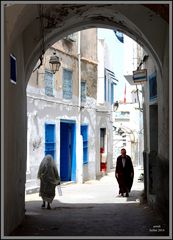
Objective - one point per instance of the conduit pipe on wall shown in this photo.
(79, 69)
(79, 146)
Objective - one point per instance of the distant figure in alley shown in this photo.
(49, 179)
(124, 173)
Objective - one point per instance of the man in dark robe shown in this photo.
(124, 173)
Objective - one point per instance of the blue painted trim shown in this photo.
(73, 167)
(152, 86)
(67, 121)
(69, 167)
(105, 87)
(50, 140)
(137, 78)
(84, 133)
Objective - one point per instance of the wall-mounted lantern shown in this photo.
(54, 63)
(115, 106)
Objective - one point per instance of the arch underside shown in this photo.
(52, 22)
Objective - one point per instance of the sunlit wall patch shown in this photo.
(13, 69)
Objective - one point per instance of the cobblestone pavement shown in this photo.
(93, 209)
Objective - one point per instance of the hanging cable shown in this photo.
(40, 6)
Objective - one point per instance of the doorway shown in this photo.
(103, 149)
(67, 150)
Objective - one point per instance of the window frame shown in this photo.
(48, 86)
(63, 89)
(83, 96)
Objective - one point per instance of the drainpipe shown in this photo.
(79, 70)
(79, 144)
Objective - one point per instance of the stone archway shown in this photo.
(25, 28)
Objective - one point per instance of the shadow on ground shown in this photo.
(114, 219)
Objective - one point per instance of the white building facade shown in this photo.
(128, 117)
(118, 60)
(65, 116)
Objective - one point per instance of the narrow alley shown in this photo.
(93, 209)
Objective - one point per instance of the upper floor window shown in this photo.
(153, 86)
(83, 91)
(13, 69)
(49, 83)
(109, 86)
(67, 84)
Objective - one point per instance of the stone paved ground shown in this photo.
(93, 209)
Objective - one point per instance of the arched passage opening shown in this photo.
(95, 114)
(24, 38)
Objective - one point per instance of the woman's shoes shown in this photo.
(44, 205)
(48, 206)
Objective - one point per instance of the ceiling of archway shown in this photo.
(160, 9)
(140, 22)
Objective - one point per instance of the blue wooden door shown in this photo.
(67, 151)
(73, 166)
(64, 152)
(50, 144)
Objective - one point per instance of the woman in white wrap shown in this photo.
(49, 179)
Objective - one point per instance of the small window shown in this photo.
(109, 86)
(67, 84)
(13, 68)
(49, 83)
(152, 86)
(83, 91)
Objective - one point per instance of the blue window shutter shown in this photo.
(67, 84)
(48, 83)
(119, 36)
(50, 141)
(153, 86)
(84, 133)
(112, 93)
(109, 89)
(109, 82)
